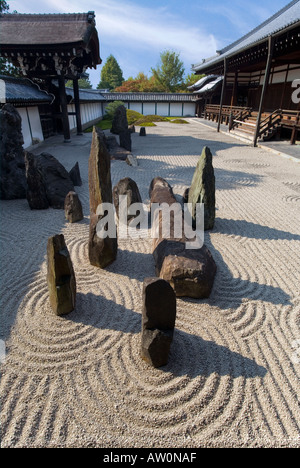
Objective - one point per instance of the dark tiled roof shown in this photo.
(87, 95)
(149, 97)
(23, 90)
(286, 17)
(32, 29)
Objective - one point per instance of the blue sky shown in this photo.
(135, 32)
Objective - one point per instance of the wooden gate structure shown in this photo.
(49, 47)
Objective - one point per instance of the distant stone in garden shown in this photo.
(119, 122)
(125, 139)
(36, 192)
(73, 208)
(131, 128)
(132, 160)
(102, 250)
(158, 321)
(142, 131)
(202, 189)
(126, 187)
(75, 175)
(60, 276)
(12, 164)
(56, 179)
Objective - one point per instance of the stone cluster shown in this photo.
(191, 272)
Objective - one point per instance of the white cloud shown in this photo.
(134, 26)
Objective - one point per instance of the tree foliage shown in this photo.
(7, 68)
(83, 83)
(111, 108)
(170, 72)
(111, 74)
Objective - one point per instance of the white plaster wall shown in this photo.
(149, 108)
(163, 109)
(136, 106)
(31, 125)
(176, 109)
(189, 108)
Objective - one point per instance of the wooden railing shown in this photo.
(212, 112)
(291, 120)
(239, 118)
(269, 123)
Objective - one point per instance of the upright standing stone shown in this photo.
(36, 192)
(125, 139)
(60, 276)
(142, 131)
(202, 189)
(120, 121)
(126, 187)
(102, 251)
(73, 208)
(12, 164)
(158, 321)
(75, 175)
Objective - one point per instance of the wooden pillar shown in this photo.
(222, 94)
(234, 90)
(265, 87)
(77, 106)
(64, 108)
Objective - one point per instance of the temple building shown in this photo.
(251, 85)
(50, 49)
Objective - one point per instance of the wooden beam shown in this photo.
(64, 108)
(265, 87)
(222, 94)
(77, 106)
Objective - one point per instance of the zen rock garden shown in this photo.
(180, 272)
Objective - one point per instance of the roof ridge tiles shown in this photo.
(260, 26)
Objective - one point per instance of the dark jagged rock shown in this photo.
(158, 321)
(202, 189)
(75, 175)
(13, 183)
(125, 139)
(56, 179)
(73, 208)
(119, 122)
(60, 276)
(36, 192)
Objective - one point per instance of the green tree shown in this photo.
(111, 108)
(111, 74)
(169, 73)
(83, 83)
(7, 68)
